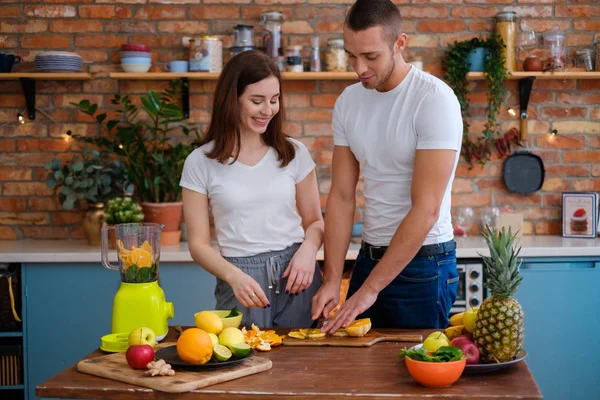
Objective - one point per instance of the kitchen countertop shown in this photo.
(313, 373)
(55, 251)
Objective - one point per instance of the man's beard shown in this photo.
(386, 75)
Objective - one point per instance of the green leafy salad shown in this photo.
(443, 354)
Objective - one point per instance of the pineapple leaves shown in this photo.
(501, 268)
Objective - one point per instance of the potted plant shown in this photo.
(142, 138)
(121, 210)
(457, 67)
(94, 179)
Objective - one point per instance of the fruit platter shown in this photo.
(490, 337)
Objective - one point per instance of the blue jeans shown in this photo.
(420, 297)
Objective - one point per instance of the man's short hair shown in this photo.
(366, 14)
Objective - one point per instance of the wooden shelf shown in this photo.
(288, 76)
(474, 76)
(47, 76)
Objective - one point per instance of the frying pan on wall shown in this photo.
(523, 172)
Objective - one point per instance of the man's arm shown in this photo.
(432, 171)
(339, 216)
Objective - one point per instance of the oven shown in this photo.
(470, 292)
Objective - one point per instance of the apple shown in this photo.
(142, 335)
(435, 340)
(139, 355)
(460, 338)
(470, 350)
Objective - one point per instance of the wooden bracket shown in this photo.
(185, 97)
(28, 85)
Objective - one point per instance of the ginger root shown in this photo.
(159, 367)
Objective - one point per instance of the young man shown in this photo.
(403, 128)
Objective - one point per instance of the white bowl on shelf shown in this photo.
(136, 67)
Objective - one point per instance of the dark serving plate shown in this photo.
(169, 354)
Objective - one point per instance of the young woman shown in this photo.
(261, 187)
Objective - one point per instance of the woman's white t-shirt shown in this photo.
(254, 207)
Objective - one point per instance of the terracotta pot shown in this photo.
(168, 214)
(112, 238)
(92, 223)
(170, 238)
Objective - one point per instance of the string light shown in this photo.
(512, 112)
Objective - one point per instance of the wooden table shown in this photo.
(323, 373)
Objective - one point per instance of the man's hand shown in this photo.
(325, 300)
(360, 301)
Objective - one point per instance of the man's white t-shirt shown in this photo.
(384, 130)
(254, 207)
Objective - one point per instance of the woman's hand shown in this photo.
(248, 291)
(301, 269)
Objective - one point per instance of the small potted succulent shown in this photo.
(121, 210)
(92, 179)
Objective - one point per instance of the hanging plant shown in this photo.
(495, 72)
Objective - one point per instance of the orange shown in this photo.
(271, 337)
(359, 327)
(195, 346)
(141, 257)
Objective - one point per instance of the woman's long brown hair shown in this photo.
(242, 70)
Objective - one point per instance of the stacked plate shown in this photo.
(58, 61)
(136, 58)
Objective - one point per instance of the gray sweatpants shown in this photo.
(266, 269)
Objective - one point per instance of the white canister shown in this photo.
(206, 54)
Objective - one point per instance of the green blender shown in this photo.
(140, 301)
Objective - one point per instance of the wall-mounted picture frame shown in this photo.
(579, 214)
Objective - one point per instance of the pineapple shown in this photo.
(499, 328)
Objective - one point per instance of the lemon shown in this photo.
(221, 353)
(230, 336)
(240, 350)
(209, 322)
(214, 338)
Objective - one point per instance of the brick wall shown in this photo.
(96, 28)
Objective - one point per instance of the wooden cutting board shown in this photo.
(369, 339)
(115, 367)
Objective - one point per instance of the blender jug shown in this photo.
(139, 302)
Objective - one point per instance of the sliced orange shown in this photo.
(146, 246)
(297, 335)
(359, 327)
(271, 337)
(141, 257)
(340, 332)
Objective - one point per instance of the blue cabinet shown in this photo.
(561, 302)
(69, 308)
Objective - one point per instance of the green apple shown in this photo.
(470, 318)
(142, 335)
(435, 340)
(214, 338)
(438, 334)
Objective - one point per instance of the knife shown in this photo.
(314, 324)
(525, 85)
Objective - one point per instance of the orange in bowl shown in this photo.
(435, 374)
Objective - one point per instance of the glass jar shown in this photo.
(336, 58)
(585, 59)
(272, 40)
(555, 51)
(506, 28)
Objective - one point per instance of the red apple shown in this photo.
(139, 355)
(470, 350)
(460, 338)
